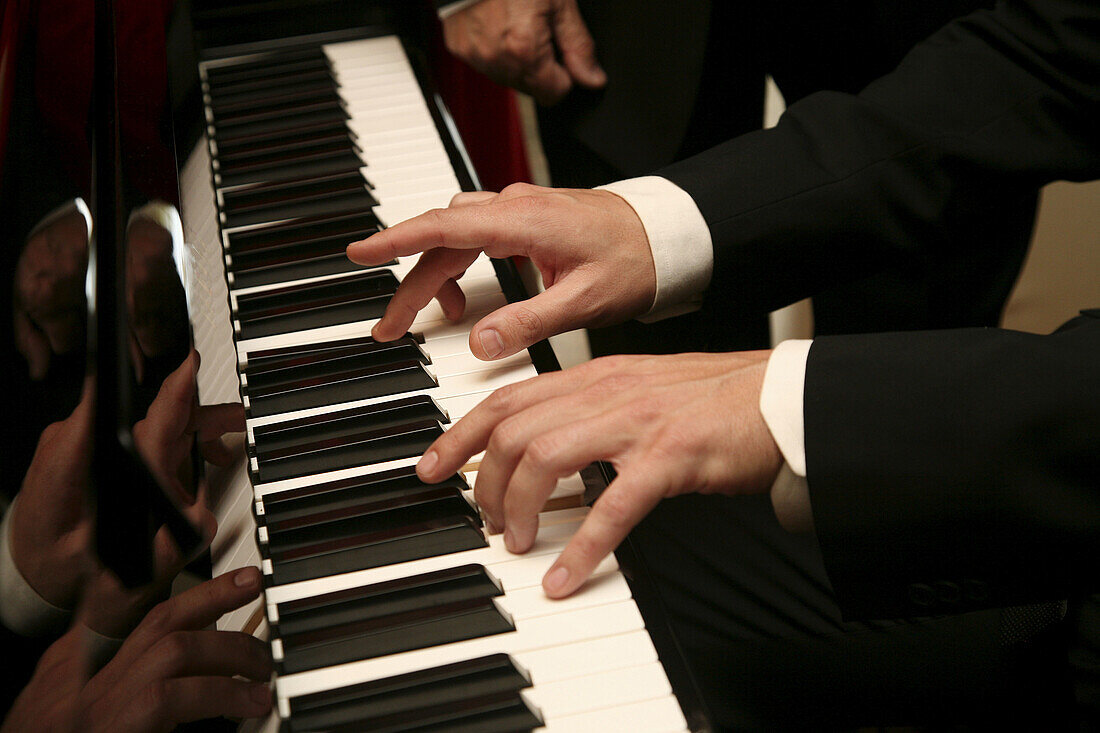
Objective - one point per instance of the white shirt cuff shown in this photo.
(679, 240)
(448, 10)
(781, 400)
(22, 610)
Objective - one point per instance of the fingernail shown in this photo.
(509, 540)
(427, 463)
(260, 694)
(491, 343)
(247, 578)
(555, 580)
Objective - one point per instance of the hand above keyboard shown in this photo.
(669, 424)
(590, 247)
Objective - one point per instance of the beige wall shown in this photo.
(1062, 272)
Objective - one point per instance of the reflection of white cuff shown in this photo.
(781, 400)
(99, 648)
(64, 209)
(679, 239)
(450, 9)
(22, 610)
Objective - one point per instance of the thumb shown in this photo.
(578, 50)
(516, 326)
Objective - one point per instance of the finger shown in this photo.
(197, 653)
(32, 344)
(514, 327)
(578, 50)
(163, 704)
(547, 81)
(472, 198)
(451, 300)
(510, 443)
(556, 453)
(470, 435)
(499, 232)
(423, 282)
(620, 508)
(170, 413)
(195, 608)
(211, 423)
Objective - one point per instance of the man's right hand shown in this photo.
(589, 246)
(517, 42)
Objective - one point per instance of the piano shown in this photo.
(388, 605)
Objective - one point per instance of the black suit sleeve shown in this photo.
(1002, 101)
(956, 469)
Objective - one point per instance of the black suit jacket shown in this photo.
(902, 181)
(958, 469)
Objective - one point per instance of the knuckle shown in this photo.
(616, 508)
(160, 618)
(519, 45)
(176, 649)
(542, 451)
(516, 190)
(506, 439)
(526, 322)
(504, 401)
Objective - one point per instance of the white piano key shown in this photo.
(532, 602)
(602, 691)
(631, 649)
(661, 715)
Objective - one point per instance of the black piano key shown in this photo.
(225, 103)
(333, 362)
(372, 550)
(308, 295)
(389, 486)
(280, 137)
(248, 128)
(499, 713)
(288, 78)
(359, 385)
(265, 358)
(288, 262)
(361, 449)
(363, 703)
(350, 226)
(353, 201)
(273, 194)
(290, 433)
(359, 297)
(269, 64)
(330, 264)
(385, 599)
(371, 517)
(412, 629)
(275, 150)
(321, 160)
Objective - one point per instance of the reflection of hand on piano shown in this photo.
(590, 247)
(175, 420)
(169, 670)
(669, 424)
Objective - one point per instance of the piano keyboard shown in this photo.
(388, 605)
